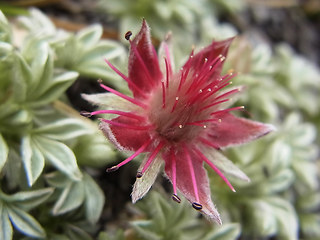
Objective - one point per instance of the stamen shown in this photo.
(152, 156)
(175, 104)
(210, 144)
(192, 173)
(124, 77)
(204, 158)
(174, 173)
(132, 100)
(146, 127)
(140, 150)
(211, 105)
(163, 95)
(227, 93)
(168, 71)
(197, 206)
(86, 114)
(227, 110)
(139, 175)
(126, 114)
(176, 198)
(128, 35)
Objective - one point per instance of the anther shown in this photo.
(128, 35)
(210, 67)
(200, 91)
(139, 175)
(176, 198)
(209, 89)
(85, 114)
(177, 98)
(197, 206)
(204, 126)
(112, 169)
(205, 60)
(99, 81)
(219, 120)
(180, 126)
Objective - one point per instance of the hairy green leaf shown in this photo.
(5, 30)
(225, 232)
(60, 155)
(71, 197)
(24, 222)
(5, 225)
(286, 218)
(32, 159)
(56, 87)
(28, 199)
(90, 36)
(77, 233)
(4, 150)
(64, 129)
(94, 199)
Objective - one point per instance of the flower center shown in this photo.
(178, 118)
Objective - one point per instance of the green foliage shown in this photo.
(165, 219)
(40, 132)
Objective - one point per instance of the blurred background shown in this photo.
(53, 183)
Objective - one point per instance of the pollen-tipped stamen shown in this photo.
(140, 150)
(85, 114)
(173, 172)
(134, 127)
(226, 94)
(175, 104)
(121, 113)
(152, 157)
(168, 71)
(208, 143)
(163, 95)
(205, 159)
(204, 73)
(124, 77)
(197, 206)
(132, 100)
(176, 198)
(212, 104)
(192, 173)
(227, 110)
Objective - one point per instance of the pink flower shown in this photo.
(180, 119)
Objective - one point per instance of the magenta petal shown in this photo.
(144, 70)
(233, 130)
(211, 52)
(125, 138)
(185, 186)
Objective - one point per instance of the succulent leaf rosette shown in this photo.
(179, 119)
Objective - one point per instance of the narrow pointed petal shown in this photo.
(144, 70)
(165, 53)
(184, 184)
(231, 130)
(125, 138)
(226, 166)
(211, 52)
(143, 184)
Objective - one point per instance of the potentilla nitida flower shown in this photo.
(180, 120)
